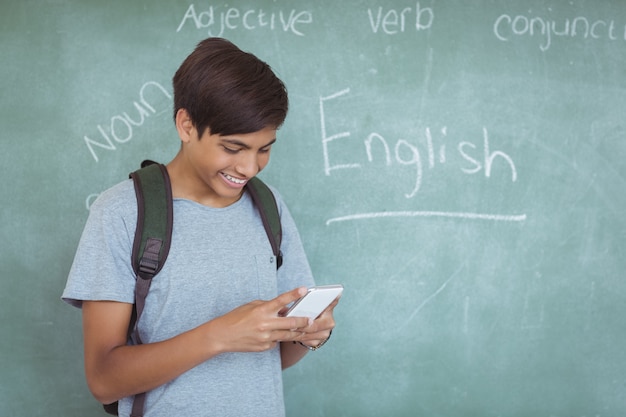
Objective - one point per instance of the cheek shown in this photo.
(217, 161)
(263, 159)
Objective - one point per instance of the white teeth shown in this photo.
(235, 180)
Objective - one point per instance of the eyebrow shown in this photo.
(244, 145)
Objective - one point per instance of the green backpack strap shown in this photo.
(153, 235)
(266, 204)
(154, 219)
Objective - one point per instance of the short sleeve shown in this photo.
(102, 268)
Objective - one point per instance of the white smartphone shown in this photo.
(315, 301)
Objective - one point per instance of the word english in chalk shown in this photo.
(405, 153)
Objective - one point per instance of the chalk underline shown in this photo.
(459, 215)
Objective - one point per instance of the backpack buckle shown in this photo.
(149, 262)
(148, 266)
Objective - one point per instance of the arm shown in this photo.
(115, 370)
(314, 334)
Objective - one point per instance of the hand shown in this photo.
(257, 326)
(319, 330)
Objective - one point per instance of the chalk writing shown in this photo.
(506, 27)
(407, 153)
(327, 139)
(120, 127)
(392, 21)
(90, 199)
(458, 215)
(217, 21)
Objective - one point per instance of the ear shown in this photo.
(184, 125)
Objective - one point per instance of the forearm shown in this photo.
(128, 370)
(291, 353)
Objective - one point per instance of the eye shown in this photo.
(265, 150)
(231, 151)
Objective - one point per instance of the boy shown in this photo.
(210, 347)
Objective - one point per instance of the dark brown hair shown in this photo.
(229, 91)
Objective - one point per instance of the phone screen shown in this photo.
(315, 301)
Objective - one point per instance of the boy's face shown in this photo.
(221, 165)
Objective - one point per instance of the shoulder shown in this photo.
(114, 211)
(116, 195)
(119, 199)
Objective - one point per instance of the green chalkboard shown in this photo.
(458, 166)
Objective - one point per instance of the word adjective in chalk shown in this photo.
(393, 21)
(408, 154)
(506, 27)
(120, 126)
(217, 21)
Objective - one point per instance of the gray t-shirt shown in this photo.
(220, 259)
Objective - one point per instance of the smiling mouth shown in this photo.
(234, 180)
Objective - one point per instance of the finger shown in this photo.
(289, 335)
(286, 298)
(294, 323)
(316, 338)
(325, 321)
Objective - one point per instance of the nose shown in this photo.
(248, 165)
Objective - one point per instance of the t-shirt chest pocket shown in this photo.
(266, 274)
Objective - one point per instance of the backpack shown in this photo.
(153, 237)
